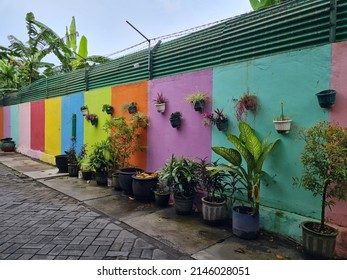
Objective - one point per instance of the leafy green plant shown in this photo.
(218, 185)
(176, 116)
(260, 4)
(124, 138)
(324, 160)
(250, 149)
(197, 97)
(99, 159)
(178, 175)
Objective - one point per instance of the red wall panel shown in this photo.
(38, 125)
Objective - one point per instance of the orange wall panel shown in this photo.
(135, 92)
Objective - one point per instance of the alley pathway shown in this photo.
(37, 222)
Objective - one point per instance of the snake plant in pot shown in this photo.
(324, 160)
(246, 161)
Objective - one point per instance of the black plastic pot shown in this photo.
(101, 178)
(143, 188)
(126, 180)
(72, 169)
(175, 123)
(162, 199)
(132, 109)
(326, 98)
(199, 106)
(222, 125)
(61, 163)
(8, 146)
(183, 205)
(87, 175)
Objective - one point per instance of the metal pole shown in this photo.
(333, 12)
(149, 50)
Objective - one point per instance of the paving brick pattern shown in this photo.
(40, 223)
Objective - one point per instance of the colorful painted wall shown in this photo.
(192, 139)
(43, 129)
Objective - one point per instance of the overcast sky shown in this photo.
(103, 22)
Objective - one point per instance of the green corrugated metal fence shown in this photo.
(289, 26)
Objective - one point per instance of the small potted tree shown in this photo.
(162, 192)
(198, 99)
(247, 102)
(175, 119)
(324, 160)
(74, 160)
(282, 123)
(160, 102)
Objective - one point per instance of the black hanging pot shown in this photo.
(175, 123)
(199, 106)
(222, 125)
(326, 98)
(132, 109)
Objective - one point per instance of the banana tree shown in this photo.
(250, 149)
(260, 4)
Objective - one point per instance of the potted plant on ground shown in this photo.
(162, 192)
(217, 118)
(248, 102)
(108, 109)
(84, 110)
(250, 149)
(130, 107)
(93, 119)
(99, 161)
(175, 119)
(74, 160)
(198, 99)
(160, 102)
(326, 98)
(282, 123)
(178, 174)
(215, 185)
(124, 138)
(324, 160)
(144, 185)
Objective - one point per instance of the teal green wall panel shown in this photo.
(15, 123)
(293, 78)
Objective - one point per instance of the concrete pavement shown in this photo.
(47, 215)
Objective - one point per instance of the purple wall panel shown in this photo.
(192, 139)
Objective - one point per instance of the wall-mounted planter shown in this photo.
(199, 106)
(132, 109)
(175, 123)
(326, 98)
(222, 125)
(84, 112)
(109, 110)
(160, 107)
(282, 126)
(94, 122)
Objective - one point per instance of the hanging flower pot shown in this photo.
(175, 119)
(160, 102)
(108, 109)
(199, 106)
(326, 98)
(84, 110)
(93, 119)
(160, 107)
(222, 125)
(282, 126)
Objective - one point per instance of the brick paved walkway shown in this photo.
(40, 223)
